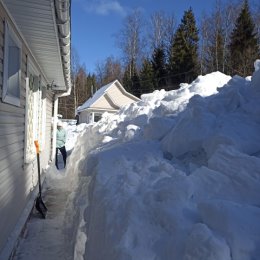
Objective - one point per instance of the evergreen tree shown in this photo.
(215, 30)
(131, 81)
(136, 87)
(159, 68)
(243, 45)
(183, 54)
(146, 77)
(92, 85)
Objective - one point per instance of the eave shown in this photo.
(45, 27)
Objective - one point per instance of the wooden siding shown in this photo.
(17, 179)
(1, 53)
(112, 100)
(46, 154)
(84, 116)
(119, 97)
(104, 103)
(12, 178)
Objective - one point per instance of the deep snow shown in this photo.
(174, 176)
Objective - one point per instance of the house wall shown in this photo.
(46, 153)
(110, 102)
(119, 97)
(17, 179)
(84, 117)
(103, 103)
(88, 115)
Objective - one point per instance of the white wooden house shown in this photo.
(34, 73)
(109, 98)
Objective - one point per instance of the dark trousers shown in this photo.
(64, 156)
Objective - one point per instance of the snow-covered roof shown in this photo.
(95, 97)
(101, 92)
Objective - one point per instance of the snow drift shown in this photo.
(174, 176)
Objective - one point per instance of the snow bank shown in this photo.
(174, 176)
(256, 76)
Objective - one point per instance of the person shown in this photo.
(60, 144)
(77, 118)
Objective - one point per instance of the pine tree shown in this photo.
(159, 68)
(183, 54)
(146, 77)
(243, 45)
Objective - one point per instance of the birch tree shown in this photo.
(130, 41)
(161, 31)
(215, 32)
(243, 44)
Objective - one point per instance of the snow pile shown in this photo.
(174, 176)
(72, 131)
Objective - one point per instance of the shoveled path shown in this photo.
(50, 238)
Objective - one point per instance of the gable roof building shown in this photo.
(109, 98)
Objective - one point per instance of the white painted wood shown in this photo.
(18, 185)
(110, 98)
(104, 103)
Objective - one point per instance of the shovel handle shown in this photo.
(36, 143)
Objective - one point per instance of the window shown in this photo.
(12, 67)
(97, 117)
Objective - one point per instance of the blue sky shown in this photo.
(96, 22)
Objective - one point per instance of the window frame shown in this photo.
(7, 97)
(98, 116)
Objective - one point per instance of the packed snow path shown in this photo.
(57, 236)
(49, 238)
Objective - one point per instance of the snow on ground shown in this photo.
(174, 176)
(50, 238)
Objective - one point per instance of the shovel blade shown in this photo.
(40, 206)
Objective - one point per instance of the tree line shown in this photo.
(226, 40)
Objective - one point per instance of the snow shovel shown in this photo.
(40, 206)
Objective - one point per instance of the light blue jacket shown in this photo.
(60, 137)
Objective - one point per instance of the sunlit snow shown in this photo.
(174, 176)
